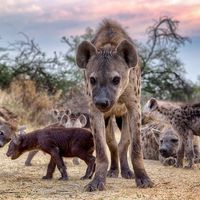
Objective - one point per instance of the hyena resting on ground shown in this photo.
(112, 77)
(185, 120)
(160, 142)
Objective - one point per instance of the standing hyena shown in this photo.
(112, 76)
(185, 119)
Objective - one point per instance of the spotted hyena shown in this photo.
(112, 76)
(160, 142)
(185, 120)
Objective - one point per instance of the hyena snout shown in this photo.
(164, 152)
(102, 103)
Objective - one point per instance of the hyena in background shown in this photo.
(150, 144)
(8, 125)
(160, 142)
(185, 120)
(112, 76)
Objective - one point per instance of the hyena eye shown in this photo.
(116, 80)
(92, 81)
(161, 141)
(1, 133)
(174, 140)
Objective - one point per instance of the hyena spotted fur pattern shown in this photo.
(112, 76)
(185, 120)
(160, 142)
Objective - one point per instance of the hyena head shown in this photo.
(106, 71)
(5, 133)
(15, 148)
(168, 143)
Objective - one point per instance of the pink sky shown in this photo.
(48, 20)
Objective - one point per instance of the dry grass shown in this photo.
(30, 105)
(20, 182)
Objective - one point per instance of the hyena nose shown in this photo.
(163, 152)
(102, 103)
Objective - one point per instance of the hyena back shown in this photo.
(112, 77)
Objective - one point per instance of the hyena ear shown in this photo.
(85, 51)
(82, 120)
(68, 111)
(152, 104)
(55, 113)
(17, 139)
(127, 51)
(21, 130)
(64, 120)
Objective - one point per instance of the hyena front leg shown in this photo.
(189, 149)
(123, 148)
(141, 178)
(98, 130)
(180, 153)
(113, 147)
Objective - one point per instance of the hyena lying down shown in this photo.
(65, 119)
(160, 142)
(58, 143)
(112, 77)
(185, 120)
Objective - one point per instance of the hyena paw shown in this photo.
(113, 173)
(178, 164)
(143, 181)
(47, 177)
(28, 164)
(65, 178)
(95, 184)
(127, 174)
(197, 160)
(169, 161)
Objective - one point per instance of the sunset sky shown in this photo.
(48, 20)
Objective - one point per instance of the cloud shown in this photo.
(77, 14)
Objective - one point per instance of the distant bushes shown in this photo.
(32, 106)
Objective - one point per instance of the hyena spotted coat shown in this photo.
(112, 77)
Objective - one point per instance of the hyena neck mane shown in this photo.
(194, 108)
(166, 113)
(109, 35)
(29, 141)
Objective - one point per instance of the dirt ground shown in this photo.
(20, 182)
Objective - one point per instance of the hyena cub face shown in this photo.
(14, 149)
(73, 120)
(57, 115)
(168, 143)
(107, 71)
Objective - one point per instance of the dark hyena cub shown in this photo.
(58, 143)
(64, 120)
(112, 77)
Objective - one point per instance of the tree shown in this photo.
(73, 72)
(162, 71)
